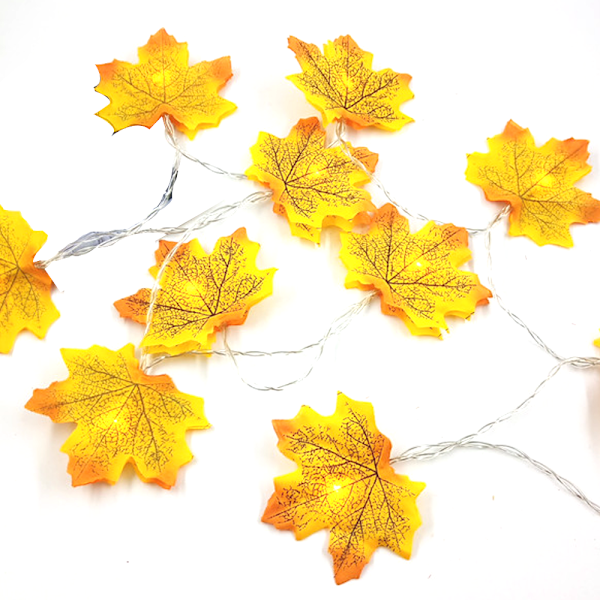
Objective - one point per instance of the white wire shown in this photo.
(336, 327)
(99, 239)
(171, 136)
(427, 451)
(339, 140)
(570, 487)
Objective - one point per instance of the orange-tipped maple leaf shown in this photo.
(341, 84)
(162, 83)
(25, 301)
(416, 274)
(344, 482)
(199, 293)
(122, 415)
(537, 183)
(313, 186)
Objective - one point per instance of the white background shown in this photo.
(492, 526)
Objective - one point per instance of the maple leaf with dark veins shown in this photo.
(341, 84)
(537, 183)
(415, 274)
(344, 482)
(25, 301)
(122, 415)
(199, 293)
(313, 186)
(163, 83)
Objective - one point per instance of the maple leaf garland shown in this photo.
(344, 482)
(313, 186)
(537, 183)
(416, 274)
(341, 84)
(199, 293)
(25, 300)
(162, 83)
(122, 415)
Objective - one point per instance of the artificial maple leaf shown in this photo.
(341, 84)
(162, 83)
(25, 301)
(345, 483)
(416, 274)
(122, 415)
(537, 183)
(199, 293)
(313, 186)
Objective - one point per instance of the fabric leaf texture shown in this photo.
(122, 415)
(313, 186)
(199, 293)
(538, 183)
(25, 290)
(344, 483)
(163, 83)
(341, 84)
(416, 274)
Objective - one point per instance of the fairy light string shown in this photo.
(436, 450)
(223, 210)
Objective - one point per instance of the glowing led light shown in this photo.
(190, 288)
(546, 180)
(336, 488)
(158, 78)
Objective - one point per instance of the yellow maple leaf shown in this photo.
(416, 274)
(162, 83)
(122, 415)
(344, 482)
(200, 293)
(341, 84)
(537, 183)
(25, 301)
(313, 186)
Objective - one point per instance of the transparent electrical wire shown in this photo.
(567, 485)
(98, 239)
(171, 136)
(432, 451)
(428, 451)
(580, 361)
(336, 327)
(338, 139)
